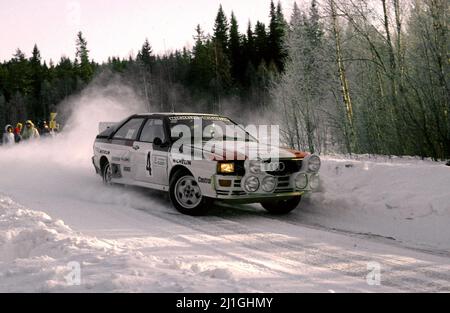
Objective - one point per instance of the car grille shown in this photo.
(290, 167)
(283, 185)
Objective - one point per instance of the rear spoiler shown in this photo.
(102, 126)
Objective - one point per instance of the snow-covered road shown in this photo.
(54, 211)
(148, 246)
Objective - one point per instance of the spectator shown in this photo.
(45, 131)
(8, 136)
(17, 131)
(30, 132)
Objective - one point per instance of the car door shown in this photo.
(121, 149)
(151, 161)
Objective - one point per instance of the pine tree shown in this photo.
(277, 30)
(222, 67)
(37, 109)
(261, 44)
(249, 46)
(221, 29)
(248, 59)
(146, 60)
(146, 54)
(85, 69)
(296, 16)
(235, 48)
(201, 71)
(19, 75)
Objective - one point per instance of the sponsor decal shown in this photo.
(103, 152)
(182, 161)
(193, 117)
(159, 161)
(119, 159)
(204, 180)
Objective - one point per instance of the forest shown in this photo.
(344, 76)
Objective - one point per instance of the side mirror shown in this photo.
(157, 142)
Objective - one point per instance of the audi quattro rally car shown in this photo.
(192, 157)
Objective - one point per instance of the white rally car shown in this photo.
(197, 162)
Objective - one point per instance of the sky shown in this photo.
(116, 28)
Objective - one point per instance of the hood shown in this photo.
(8, 126)
(241, 150)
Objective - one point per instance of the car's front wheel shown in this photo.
(107, 174)
(281, 206)
(186, 196)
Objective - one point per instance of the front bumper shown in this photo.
(285, 188)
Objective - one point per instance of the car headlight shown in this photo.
(255, 166)
(225, 168)
(269, 183)
(313, 163)
(301, 181)
(251, 184)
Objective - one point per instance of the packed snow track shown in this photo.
(57, 217)
(131, 239)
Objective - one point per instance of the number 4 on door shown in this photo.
(149, 163)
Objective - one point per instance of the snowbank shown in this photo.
(39, 254)
(405, 199)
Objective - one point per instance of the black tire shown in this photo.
(281, 206)
(187, 201)
(107, 174)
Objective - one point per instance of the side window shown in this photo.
(153, 128)
(129, 130)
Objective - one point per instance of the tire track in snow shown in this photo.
(395, 262)
(397, 274)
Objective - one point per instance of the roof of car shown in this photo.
(174, 114)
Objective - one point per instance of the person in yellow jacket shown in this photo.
(30, 132)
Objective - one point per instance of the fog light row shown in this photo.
(269, 183)
(252, 184)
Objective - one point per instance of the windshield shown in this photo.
(207, 127)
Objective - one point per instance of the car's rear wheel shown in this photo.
(281, 206)
(186, 196)
(107, 174)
